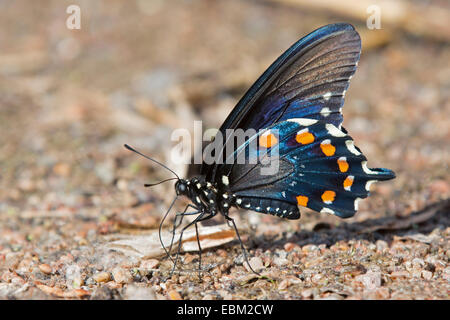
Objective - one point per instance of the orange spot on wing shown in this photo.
(328, 196)
(267, 140)
(327, 148)
(348, 182)
(343, 164)
(304, 137)
(302, 200)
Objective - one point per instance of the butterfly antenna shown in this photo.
(147, 157)
(156, 183)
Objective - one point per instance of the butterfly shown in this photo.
(295, 110)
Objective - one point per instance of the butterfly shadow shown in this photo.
(416, 226)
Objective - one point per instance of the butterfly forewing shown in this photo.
(308, 81)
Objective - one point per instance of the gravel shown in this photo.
(68, 187)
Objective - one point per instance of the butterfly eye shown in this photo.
(181, 188)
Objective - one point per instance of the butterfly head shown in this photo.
(182, 187)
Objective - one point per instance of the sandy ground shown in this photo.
(137, 70)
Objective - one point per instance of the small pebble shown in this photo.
(122, 185)
(121, 275)
(45, 268)
(289, 246)
(370, 280)
(174, 295)
(307, 293)
(280, 261)
(427, 275)
(102, 277)
(256, 263)
(310, 248)
(62, 169)
(149, 264)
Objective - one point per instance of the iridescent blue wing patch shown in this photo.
(309, 80)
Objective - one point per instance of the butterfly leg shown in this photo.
(176, 225)
(197, 219)
(161, 224)
(206, 217)
(244, 251)
(199, 251)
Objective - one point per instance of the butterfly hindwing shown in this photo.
(318, 167)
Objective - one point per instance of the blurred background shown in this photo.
(137, 70)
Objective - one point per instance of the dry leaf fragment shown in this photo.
(149, 245)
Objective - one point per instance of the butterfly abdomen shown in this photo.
(274, 207)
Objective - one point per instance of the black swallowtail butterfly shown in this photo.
(295, 108)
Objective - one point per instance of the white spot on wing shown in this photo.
(327, 96)
(325, 111)
(334, 131)
(238, 201)
(351, 147)
(303, 121)
(225, 180)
